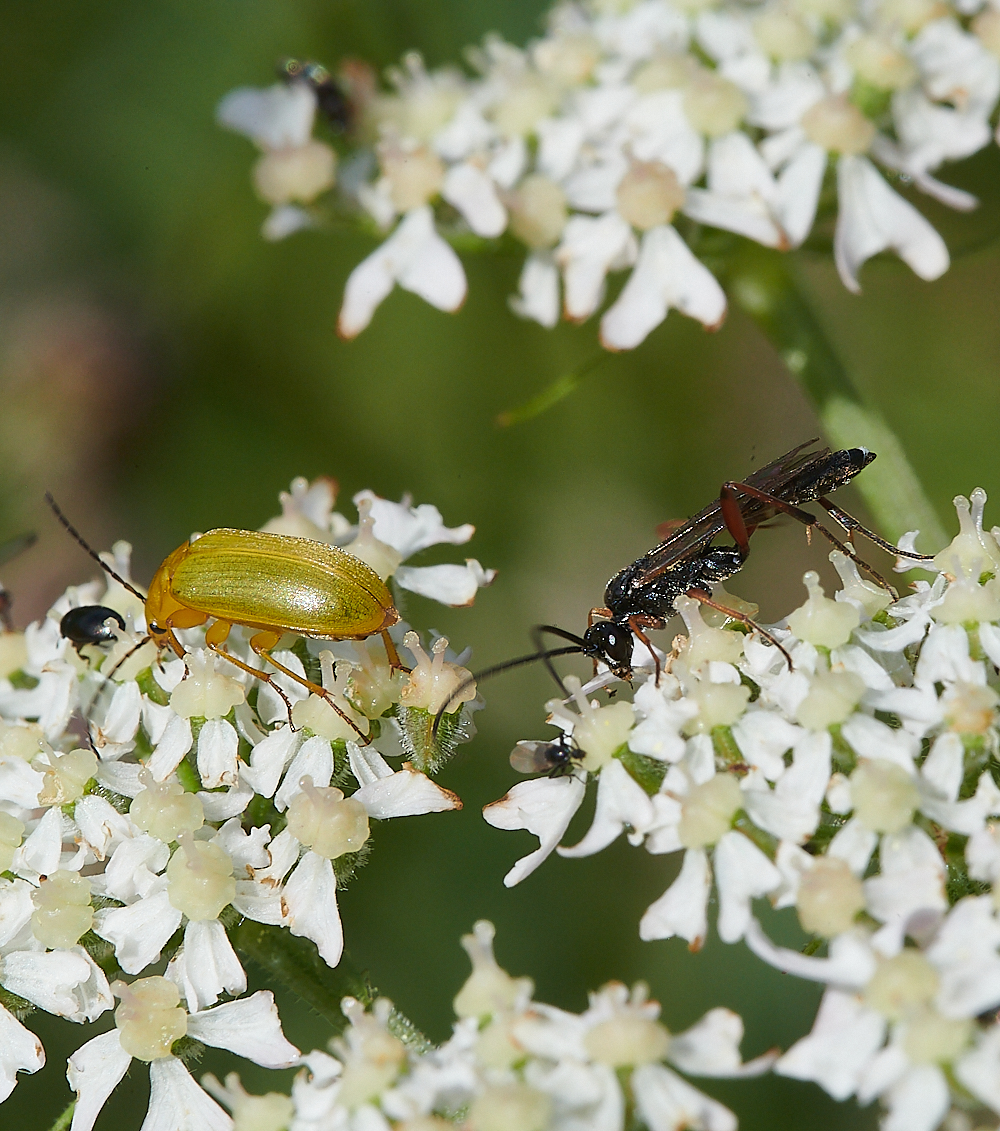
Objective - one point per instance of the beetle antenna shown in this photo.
(486, 673)
(75, 534)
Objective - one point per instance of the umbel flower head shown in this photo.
(202, 797)
(612, 141)
(858, 785)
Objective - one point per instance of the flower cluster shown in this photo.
(858, 785)
(512, 1064)
(629, 128)
(201, 796)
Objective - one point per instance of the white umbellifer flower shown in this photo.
(586, 144)
(149, 1020)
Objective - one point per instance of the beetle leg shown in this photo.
(216, 636)
(703, 597)
(262, 642)
(395, 663)
(634, 624)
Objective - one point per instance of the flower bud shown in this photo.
(911, 15)
(528, 99)
(200, 878)
(434, 683)
(62, 910)
(783, 35)
(22, 740)
(871, 597)
(164, 810)
(648, 195)
(704, 642)
(820, 621)
(601, 731)
(831, 699)
(930, 1038)
(970, 708)
(568, 59)
(13, 653)
(719, 705)
(11, 831)
(628, 1039)
(488, 990)
(838, 126)
(510, 1107)
(537, 210)
(205, 692)
(714, 106)
(150, 1017)
(884, 795)
(708, 810)
(664, 72)
(987, 27)
(323, 819)
(829, 898)
(299, 173)
(972, 551)
(371, 1055)
(64, 775)
(497, 1046)
(900, 983)
(374, 686)
(878, 62)
(415, 175)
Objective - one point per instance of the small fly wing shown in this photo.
(699, 531)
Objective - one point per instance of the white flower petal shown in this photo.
(681, 910)
(742, 873)
(175, 741)
(844, 1037)
(711, 1047)
(452, 585)
(138, 932)
(590, 247)
(310, 900)
(217, 761)
(16, 908)
(269, 759)
(666, 275)
(409, 529)
(911, 880)
(918, 1102)
(285, 220)
(313, 760)
(666, 1102)
(405, 793)
(851, 962)
(275, 117)
(414, 256)
(621, 801)
(473, 193)
(791, 809)
(537, 295)
(248, 1027)
(206, 965)
(176, 1103)
(20, 1051)
(965, 952)
(46, 978)
(19, 783)
(979, 1070)
(40, 853)
(873, 218)
(132, 870)
(93, 1072)
(543, 806)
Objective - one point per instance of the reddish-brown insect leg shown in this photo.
(703, 597)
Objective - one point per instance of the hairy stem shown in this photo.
(295, 963)
(764, 284)
(64, 1119)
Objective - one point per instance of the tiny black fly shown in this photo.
(331, 100)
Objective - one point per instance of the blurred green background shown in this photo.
(164, 370)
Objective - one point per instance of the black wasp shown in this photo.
(642, 595)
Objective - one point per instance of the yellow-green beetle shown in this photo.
(272, 583)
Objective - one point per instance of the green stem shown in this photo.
(764, 284)
(65, 1118)
(295, 962)
(553, 393)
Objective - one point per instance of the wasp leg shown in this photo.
(810, 521)
(602, 614)
(849, 522)
(216, 636)
(263, 642)
(700, 595)
(636, 624)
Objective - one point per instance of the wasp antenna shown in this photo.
(75, 534)
(487, 673)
